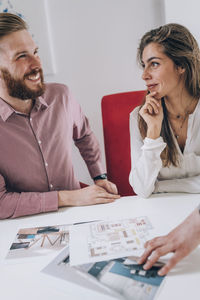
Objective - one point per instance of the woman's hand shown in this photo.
(152, 113)
(181, 241)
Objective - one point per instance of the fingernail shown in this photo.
(145, 266)
(160, 273)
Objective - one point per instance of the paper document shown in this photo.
(105, 240)
(120, 278)
(36, 242)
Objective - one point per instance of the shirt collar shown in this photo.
(40, 103)
(6, 110)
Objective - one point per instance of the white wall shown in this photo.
(95, 44)
(185, 13)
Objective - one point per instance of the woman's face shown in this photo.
(160, 73)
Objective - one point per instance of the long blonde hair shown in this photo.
(182, 48)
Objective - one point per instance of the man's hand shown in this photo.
(107, 185)
(182, 240)
(87, 196)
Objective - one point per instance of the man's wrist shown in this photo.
(65, 198)
(100, 177)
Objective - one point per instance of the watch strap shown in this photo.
(100, 177)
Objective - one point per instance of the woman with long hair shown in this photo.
(165, 135)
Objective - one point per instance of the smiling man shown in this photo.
(38, 124)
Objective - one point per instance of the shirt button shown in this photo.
(46, 164)
(31, 119)
(51, 186)
(39, 142)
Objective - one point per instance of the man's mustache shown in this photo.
(34, 72)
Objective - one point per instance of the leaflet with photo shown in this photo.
(121, 278)
(35, 242)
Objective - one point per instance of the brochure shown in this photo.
(36, 242)
(121, 278)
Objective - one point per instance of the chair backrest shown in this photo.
(115, 115)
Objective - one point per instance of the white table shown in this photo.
(25, 281)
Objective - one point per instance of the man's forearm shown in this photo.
(15, 205)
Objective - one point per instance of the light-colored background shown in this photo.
(185, 13)
(95, 44)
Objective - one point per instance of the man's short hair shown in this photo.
(11, 23)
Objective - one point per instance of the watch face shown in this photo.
(102, 176)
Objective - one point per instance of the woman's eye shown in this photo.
(154, 64)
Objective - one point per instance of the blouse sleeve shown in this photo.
(179, 185)
(146, 162)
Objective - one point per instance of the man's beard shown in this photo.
(17, 87)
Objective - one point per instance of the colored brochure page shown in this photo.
(35, 242)
(106, 240)
(121, 278)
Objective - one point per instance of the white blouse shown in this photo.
(147, 174)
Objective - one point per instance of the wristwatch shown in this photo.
(102, 176)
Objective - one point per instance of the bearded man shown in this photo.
(38, 124)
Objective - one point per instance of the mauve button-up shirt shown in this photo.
(36, 152)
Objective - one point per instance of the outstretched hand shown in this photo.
(90, 195)
(181, 241)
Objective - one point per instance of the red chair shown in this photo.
(83, 185)
(115, 116)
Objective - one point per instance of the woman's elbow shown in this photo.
(142, 193)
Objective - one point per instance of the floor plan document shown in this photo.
(107, 240)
